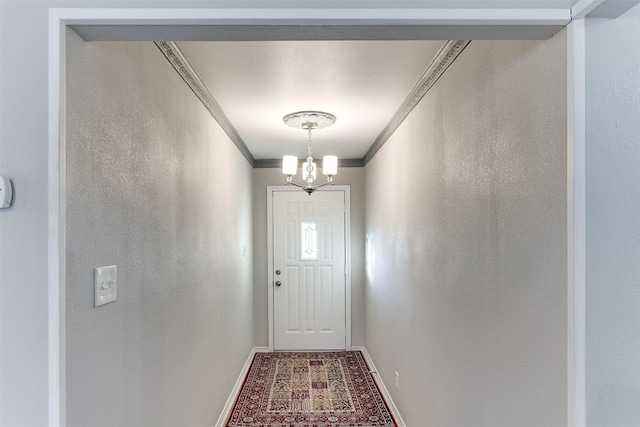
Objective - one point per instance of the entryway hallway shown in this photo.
(458, 237)
(469, 268)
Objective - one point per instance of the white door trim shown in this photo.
(56, 217)
(576, 224)
(347, 241)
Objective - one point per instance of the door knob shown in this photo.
(278, 283)
(277, 272)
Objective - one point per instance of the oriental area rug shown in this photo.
(332, 389)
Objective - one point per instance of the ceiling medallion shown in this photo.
(309, 120)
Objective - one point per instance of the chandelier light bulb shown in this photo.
(330, 165)
(289, 165)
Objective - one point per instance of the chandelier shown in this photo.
(309, 120)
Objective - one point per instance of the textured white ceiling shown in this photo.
(362, 82)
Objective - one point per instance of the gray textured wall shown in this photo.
(346, 176)
(156, 187)
(466, 210)
(613, 221)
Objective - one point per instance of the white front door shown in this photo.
(309, 270)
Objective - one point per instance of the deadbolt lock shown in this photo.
(277, 272)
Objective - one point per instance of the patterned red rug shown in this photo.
(310, 390)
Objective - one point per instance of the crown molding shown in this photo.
(442, 61)
(444, 58)
(277, 163)
(189, 75)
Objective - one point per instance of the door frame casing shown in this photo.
(61, 17)
(271, 189)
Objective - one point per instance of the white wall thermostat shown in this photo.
(6, 192)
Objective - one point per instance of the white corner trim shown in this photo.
(383, 389)
(56, 223)
(228, 406)
(584, 7)
(576, 225)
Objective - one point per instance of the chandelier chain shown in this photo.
(309, 147)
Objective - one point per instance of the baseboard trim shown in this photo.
(228, 407)
(381, 386)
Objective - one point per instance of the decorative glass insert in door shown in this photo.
(308, 241)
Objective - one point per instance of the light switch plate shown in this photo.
(106, 285)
